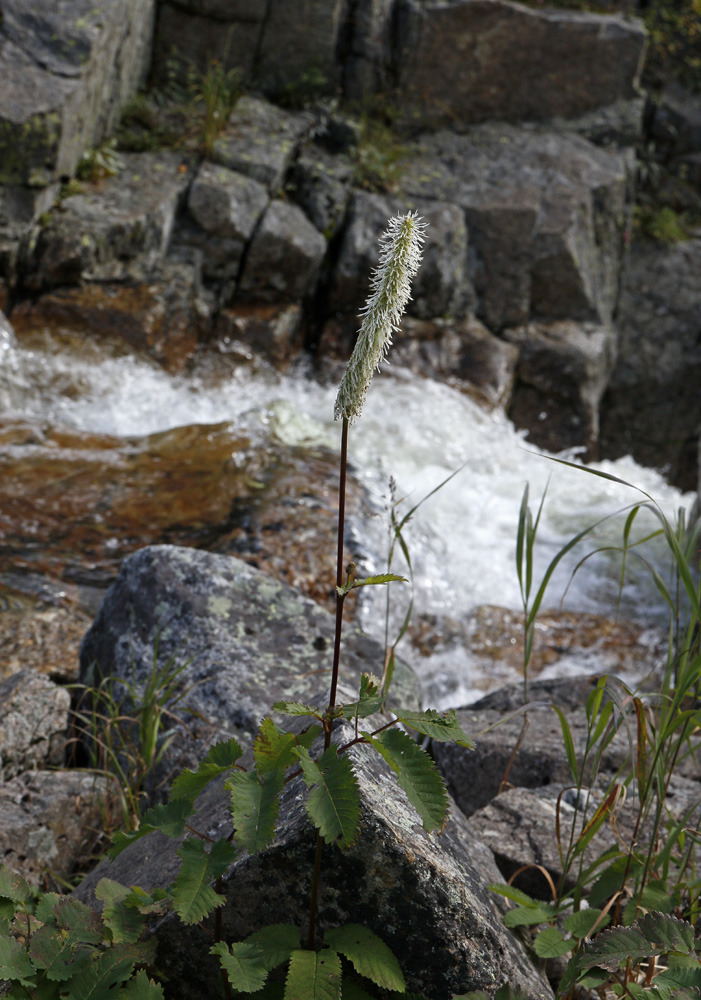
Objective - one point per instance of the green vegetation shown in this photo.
(674, 51)
(177, 115)
(97, 164)
(662, 224)
(128, 745)
(645, 885)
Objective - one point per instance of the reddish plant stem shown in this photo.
(328, 724)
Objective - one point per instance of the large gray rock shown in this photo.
(261, 140)
(370, 49)
(442, 285)
(320, 183)
(284, 256)
(546, 215)
(474, 60)
(300, 45)
(652, 406)
(66, 70)
(243, 639)
(114, 230)
(462, 352)
(520, 826)
(34, 713)
(562, 371)
(227, 207)
(192, 35)
(50, 821)
(424, 895)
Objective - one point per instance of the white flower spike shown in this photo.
(400, 257)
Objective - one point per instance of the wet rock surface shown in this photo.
(571, 643)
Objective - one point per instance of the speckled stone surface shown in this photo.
(244, 641)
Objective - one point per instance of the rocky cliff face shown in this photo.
(514, 135)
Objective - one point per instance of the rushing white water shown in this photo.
(462, 540)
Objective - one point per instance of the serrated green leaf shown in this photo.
(276, 942)
(85, 926)
(296, 708)
(170, 818)
(667, 933)
(350, 990)
(52, 950)
(528, 916)
(45, 907)
(193, 898)
(370, 699)
(218, 760)
(580, 924)
(369, 954)
(243, 963)
(549, 943)
(417, 775)
(314, 976)
(15, 963)
(97, 979)
(273, 748)
(440, 726)
(255, 804)
(333, 804)
(125, 923)
(13, 886)
(140, 987)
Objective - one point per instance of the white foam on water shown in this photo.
(462, 541)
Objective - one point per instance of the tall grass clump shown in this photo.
(628, 919)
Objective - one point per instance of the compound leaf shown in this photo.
(45, 907)
(369, 954)
(370, 699)
(273, 748)
(169, 818)
(140, 987)
(193, 896)
(15, 963)
(255, 805)
(581, 923)
(296, 708)
(97, 979)
(442, 727)
(550, 943)
(243, 963)
(276, 942)
(85, 926)
(314, 975)
(53, 951)
(528, 916)
(417, 775)
(334, 800)
(13, 886)
(218, 760)
(125, 923)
